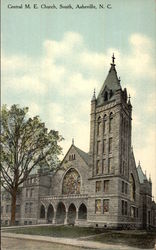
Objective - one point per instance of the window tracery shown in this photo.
(71, 182)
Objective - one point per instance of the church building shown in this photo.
(102, 188)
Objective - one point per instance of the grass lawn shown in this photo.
(135, 238)
(57, 231)
(139, 239)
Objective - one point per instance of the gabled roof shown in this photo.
(83, 154)
(142, 176)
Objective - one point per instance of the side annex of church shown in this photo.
(102, 188)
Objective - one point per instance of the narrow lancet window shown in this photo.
(110, 122)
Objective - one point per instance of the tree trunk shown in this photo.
(13, 208)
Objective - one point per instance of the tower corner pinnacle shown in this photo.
(94, 96)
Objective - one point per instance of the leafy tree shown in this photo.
(25, 144)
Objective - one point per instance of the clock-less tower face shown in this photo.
(71, 182)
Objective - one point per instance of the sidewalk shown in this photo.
(67, 241)
(23, 226)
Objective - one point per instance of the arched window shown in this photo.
(106, 96)
(98, 125)
(60, 213)
(82, 214)
(132, 188)
(50, 213)
(71, 214)
(110, 122)
(71, 182)
(42, 212)
(104, 124)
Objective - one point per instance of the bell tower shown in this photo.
(110, 128)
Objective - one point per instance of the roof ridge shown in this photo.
(83, 154)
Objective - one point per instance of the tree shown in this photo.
(25, 144)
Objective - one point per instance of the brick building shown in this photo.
(102, 188)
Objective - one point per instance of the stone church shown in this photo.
(102, 188)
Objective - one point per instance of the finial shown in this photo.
(150, 178)
(94, 96)
(72, 141)
(113, 59)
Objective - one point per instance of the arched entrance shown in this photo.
(82, 214)
(71, 214)
(42, 212)
(60, 213)
(50, 214)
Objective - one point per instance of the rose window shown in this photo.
(71, 182)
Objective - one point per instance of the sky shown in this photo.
(52, 59)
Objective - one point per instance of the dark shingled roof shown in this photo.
(84, 155)
(111, 83)
(141, 175)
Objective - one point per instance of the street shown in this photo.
(20, 244)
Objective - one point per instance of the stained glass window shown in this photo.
(71, 182)
(97, 206)
(105, 206)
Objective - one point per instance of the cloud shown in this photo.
(150, 107)
(136, 121)
(56, 49)
(140, 61)
(28, 83)
(11, 63)
(55, 114)
(34, 109)
(146, 154)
